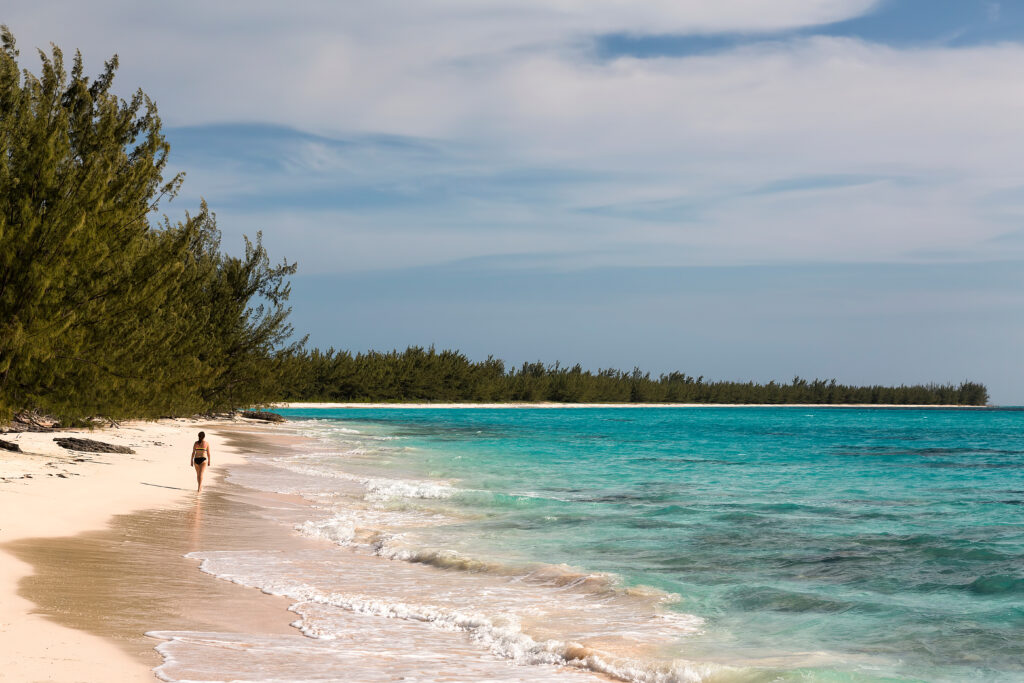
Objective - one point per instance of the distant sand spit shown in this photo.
(300, 406)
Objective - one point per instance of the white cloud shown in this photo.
(516, 83)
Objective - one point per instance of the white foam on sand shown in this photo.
(492, 628)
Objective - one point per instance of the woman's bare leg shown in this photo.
(200, 468)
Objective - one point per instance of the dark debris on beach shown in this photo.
(90, 446)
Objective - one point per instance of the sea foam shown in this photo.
(501, 634)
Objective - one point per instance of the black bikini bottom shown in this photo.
(198, 461)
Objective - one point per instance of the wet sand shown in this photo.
(132, 577)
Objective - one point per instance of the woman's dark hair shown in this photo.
(202, 435)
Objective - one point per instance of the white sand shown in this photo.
(35, 502)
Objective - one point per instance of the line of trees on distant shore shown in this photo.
(106, 311)
(419, 374)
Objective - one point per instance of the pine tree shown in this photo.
(80, 170)
(104, 311)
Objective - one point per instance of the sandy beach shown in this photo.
(63, 517)
(95, 572)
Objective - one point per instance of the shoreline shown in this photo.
(764, 509)
(49, 497)
(99, 578)
(99, 573)
(299, 405)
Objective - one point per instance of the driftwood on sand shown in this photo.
(29, 421)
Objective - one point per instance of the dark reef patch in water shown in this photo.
(1001, 584)
(929, 451)
(766, 598)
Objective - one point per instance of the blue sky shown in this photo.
(738, 189)
(895, 23)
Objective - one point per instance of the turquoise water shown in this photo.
(833, 542)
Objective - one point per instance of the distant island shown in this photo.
(108, 309)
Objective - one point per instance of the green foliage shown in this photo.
(102, 312)
(418, 374)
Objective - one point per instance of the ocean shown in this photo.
(636, 544)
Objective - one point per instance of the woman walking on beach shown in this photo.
(201, 458)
